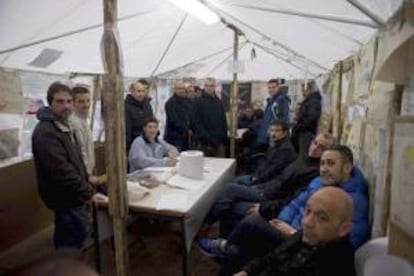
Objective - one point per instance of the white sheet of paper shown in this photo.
(173, 201)
(158, 169)
(185, 183)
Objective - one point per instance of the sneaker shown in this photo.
(213, 248)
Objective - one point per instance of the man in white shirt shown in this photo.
(81, 129)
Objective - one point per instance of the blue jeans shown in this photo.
(243, 180)
(253, 237)
(232, 194)
(72, 227)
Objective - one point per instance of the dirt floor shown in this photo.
(155, 248)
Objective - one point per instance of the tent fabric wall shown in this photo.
(144, 36)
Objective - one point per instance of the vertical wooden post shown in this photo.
(115, 133)
(234, 98)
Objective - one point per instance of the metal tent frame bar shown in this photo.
(314, 16)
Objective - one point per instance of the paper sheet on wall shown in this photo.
(11, 97)
(9, 143)
(402, 185)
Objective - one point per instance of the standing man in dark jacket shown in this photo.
(308, 117)
(322, 248)
(137, 109)
(277, 108)
(178, 129)
(61, 175)
(210, 121)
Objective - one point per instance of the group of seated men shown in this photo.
(305, 219)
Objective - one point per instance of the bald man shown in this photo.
(178, 128)
(321, 248)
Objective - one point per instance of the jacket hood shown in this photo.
(357, 183)
(132, 101)
(45, 114)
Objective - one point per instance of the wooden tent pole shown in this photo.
(234, 98)
(115, 133)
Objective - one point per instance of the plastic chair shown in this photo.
(387, 265)
(374, 247)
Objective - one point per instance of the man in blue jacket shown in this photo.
(277, 108)
(254, 236)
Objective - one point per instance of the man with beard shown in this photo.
(61, 175)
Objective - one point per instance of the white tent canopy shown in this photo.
(285, 45)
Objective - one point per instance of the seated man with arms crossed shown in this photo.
(321, 248)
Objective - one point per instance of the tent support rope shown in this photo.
(223, 61)
(280, 57)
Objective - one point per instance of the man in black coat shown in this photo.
(322, 248)
(308, 117)
(137, 109)
(61, 174)
(210, 121)
(277, 157)
(178, 128)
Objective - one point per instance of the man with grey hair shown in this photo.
(178, 128)
(210, 121)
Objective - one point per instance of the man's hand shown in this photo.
(254, 210)
(172, 161)
(93, 179)
(241, 273)
(285, 229)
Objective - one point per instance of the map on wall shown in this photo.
(402, 185)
